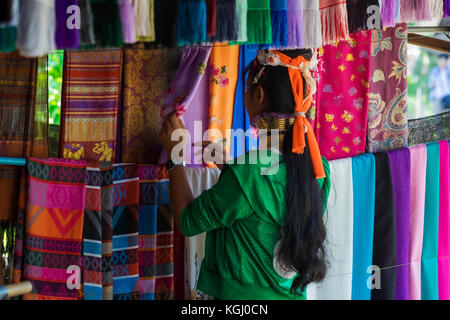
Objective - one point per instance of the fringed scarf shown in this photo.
(436, 9)
(357, 14)
(165, 22)
(311, 24)
(65, 37)
(414, 10)
(226, 21)
(211, 7)
(333, 16)
(127, 17)
(8, 30)
(36, 32)
(87, 36)
(191, 28)
(145, 22)
(294, 24)
(6, 10)
(388, 9)
(278, 16)
(107, 34)
(241, 8)
(259, 28)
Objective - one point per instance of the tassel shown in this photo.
(87, 36)
(36, 31)
(5, 11)
(127, 19)
(294, 24)
(388, 13)
(333, 17)
(211, 18)
(241, 9)
(357, 14)
(226, 26)
(65, 38)
(165, 22)
(191, 20)
(107, 34)
(259, 28)
(279, 23)
(436, 9)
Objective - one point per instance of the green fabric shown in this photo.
(107, 34)
(8, 39)
(243, 215)
(259, 23)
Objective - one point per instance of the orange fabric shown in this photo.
(302, 106)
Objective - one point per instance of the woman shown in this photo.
(265, 231)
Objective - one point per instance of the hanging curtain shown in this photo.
(312, 30)
(337, 284)
(165, 22)
(400, 163)
(65, 37)
(147, 75)
(429, 129)
(8, 28)
(54, 210)
(333, 16)
(259, 28)
(90, 104)
(107, 34)
(295, 22)
(36, 30)
(358, 15)
(191, 22)
(388, 113)
(388, 9)
(342, 106)
(444, 222)
(414, 10)
(363, 178)
(128, 20)
(429, 269)
(223, 64)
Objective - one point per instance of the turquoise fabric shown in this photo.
(363, 172)
(429, 269)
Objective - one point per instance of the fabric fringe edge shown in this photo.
(295, 29)
(259, 27)
(312, 36)
(334, 24)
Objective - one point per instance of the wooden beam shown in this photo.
(429, 42)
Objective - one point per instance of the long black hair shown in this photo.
(303, 235)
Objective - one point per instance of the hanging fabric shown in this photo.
(388, 9)
(400, 163)
(444, 223)
(259, 28)
(223, 64)
(90, 104)
(145, 22)
(436, 9)
(211, 7)
(87, 35)
(226, 21)
(6, 11)
(241, 119)
(312, 30)
(429, 129)
(36, 30)
(147, 75)
(388, 112)
(414, 10)
(358, 14)
(417, 205)
(165, 22)
(342, 107)
(384, 237)
(107, 34)
(333, 16)
(429, 269)
(446, 8)
(8, 28)
(242, 8)
(191, 22)
(128, 20)
(56, 197)
(107, 233)
(295, 24)
(363, 178)
(339, 223)
(66, 37)
(278, 16)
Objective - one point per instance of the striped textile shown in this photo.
(53, 228)
(90, 104)
(125, 264)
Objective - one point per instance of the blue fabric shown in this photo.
(241, 119)
(363, 172)
(191, 22)
(429, 270)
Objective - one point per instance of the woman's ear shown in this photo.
(260, 96)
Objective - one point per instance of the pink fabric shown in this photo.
(342, 97)
(444, 223)
(417, 209)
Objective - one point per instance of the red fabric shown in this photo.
(211, 18)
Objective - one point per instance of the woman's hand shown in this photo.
(219, 155)
(172, 123)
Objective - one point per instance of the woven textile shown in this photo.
(147, 76)
(388, 114)
(429, 129)
(52, 230)
(90, 104)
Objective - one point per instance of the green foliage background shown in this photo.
(55, 67)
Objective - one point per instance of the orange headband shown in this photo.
(298, 68)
